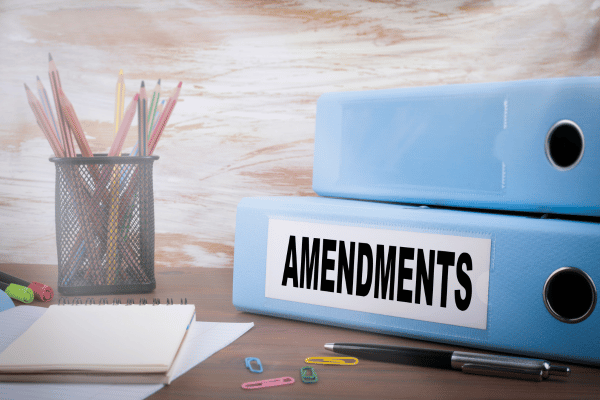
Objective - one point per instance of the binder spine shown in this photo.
(529, 146)
(533, 292)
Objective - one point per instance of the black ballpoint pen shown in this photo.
(470, 363)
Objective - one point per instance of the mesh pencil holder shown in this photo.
(105, 224)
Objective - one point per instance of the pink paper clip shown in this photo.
(286, 380)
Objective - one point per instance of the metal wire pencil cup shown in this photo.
(105, 224)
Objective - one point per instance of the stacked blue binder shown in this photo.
(464, 214)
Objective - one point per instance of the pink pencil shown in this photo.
(64, 128)
(117, 145)
(69, 113)
(162, 121)
(44, 123)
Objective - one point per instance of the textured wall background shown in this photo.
(252, 72)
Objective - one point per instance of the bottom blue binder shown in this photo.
(517, 284)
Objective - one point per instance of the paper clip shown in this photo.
(332, 360)
(249, 365)
(286, 380)
(308, 375)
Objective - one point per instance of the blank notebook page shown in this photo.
(101, 338)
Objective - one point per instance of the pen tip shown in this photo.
(180, 83)
(159, 81)
(49, 57)
(143, 85)
(120, 72)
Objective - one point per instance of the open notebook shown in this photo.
(100, 344)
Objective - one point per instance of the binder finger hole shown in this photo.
(564, 145)
(570, 295)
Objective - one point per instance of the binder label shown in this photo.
(423, 276)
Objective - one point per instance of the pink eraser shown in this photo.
(42, 292)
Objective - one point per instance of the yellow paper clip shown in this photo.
(332, 360)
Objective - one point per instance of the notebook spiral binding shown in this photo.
(63, 301)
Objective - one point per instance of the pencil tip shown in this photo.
(159, 81)
(120, 72)
(26, 87)
(38, 77)
(49, 57)
(143, 84)
(180, 83)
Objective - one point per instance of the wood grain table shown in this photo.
(282, 345)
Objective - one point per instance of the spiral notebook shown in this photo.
(100, 344)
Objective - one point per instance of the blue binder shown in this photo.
(501, 282)
(529, 146)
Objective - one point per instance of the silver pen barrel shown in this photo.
(505, 366)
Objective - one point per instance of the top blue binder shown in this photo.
(531, 146)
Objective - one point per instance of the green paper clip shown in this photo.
(308, 375)
(332, 360)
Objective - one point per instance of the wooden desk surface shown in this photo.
(282, 345)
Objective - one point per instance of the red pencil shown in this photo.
(162, 121)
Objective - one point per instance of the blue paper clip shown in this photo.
(249, 365)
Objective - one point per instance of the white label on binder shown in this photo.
(423, 276)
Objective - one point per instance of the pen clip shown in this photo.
(504, 372)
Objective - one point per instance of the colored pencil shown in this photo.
(46, 104)
(64, 129)
(74, 124)
(142, 111)
(43, 122)
(112, 248)
(157, 114)
(159, 110)
(153, 108)
(162, 121)
(120, 101)
(117, 145)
